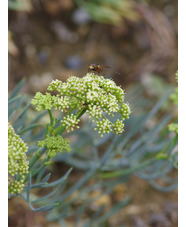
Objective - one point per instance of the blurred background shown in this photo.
(137, 39)
(57, 38)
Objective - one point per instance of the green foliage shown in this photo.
(146, 149)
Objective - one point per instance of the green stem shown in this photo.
(70, 111)
(58, 130)
(127, 171)
(51, 118)
(38, 154)
(81, 112)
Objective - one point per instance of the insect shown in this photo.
(96, 68)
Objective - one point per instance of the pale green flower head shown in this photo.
(101, 98)
(17, 162)
(173, 127)
(55, 144)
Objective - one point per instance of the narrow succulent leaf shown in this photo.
(79, 184)
(17, 89)
(155, 109)
(75, 162)
(40, 174)
(27, 128)
(59, 215)
(169, 188)
(15, 107)
(114, 210)
(39, 185)
(10, 115)
(36, 171)
(54, 183)
(148, 137)
(46, 178)
(43, 208)
(13, 100)
(127, 171)
(155, 171)
(32, 149)
(48, 195)
(37, 155)
(20, 123)
(39, 116)
(22, 112)
(133, 130)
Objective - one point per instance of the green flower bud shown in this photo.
(55, 144)
(17, 162)
(173, 127)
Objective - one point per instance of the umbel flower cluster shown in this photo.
(55, 144)
(99, 97)
(17, 162)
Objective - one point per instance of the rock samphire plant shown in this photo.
(94, 95)
(81, 124)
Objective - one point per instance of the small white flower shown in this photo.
(70, 121)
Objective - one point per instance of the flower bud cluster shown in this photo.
(124, 111)
(118, 127)
(17, 162)
(101, 97)
(55, 144)
(173, 127)
(104, 126)
(70, 122)
(43, 102)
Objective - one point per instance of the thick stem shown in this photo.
(70, 111)
(51, 118)
(81, 112)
